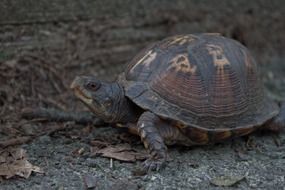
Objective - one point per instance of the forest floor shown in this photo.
(67, 153)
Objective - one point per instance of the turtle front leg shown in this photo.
(153, 141)
(278, 123)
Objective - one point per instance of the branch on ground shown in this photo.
(51, 114)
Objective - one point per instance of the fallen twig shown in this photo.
(51, 114)
(52, 102)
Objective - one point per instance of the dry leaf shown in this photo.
(13, 162)
(99, 144)
(121, 152)
(90, 181)
(226, 181)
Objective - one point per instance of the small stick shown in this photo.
(111, 163)
(51, 114)
(15, 141)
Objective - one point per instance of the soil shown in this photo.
(38, 61)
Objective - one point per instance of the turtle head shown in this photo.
(105, 100)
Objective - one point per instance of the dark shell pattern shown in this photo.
(205, 81)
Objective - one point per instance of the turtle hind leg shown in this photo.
(277, 124)
(153, 141)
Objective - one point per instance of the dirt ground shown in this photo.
(39, 61)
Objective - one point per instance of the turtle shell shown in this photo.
(202, 80)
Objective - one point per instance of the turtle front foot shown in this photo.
(152, 164)
(153, 141)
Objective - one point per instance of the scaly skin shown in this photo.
(152, 140)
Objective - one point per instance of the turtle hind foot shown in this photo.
(277, 124)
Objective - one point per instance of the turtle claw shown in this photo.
(153, 164)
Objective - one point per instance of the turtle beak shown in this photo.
(78, 87)
(76, 83)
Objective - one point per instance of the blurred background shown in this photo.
(99, 37)
(45, 44)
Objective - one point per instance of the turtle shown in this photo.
(191, 89)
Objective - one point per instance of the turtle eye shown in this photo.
(92, 86)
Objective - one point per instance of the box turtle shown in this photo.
(190, 89)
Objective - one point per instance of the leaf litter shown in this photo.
(13, 162)
(227, 181)
(122, 152)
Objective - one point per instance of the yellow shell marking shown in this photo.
(218, 55)
(181, 63)
(219, 58)
(247, 60)
(146, 59)
(181, 40)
